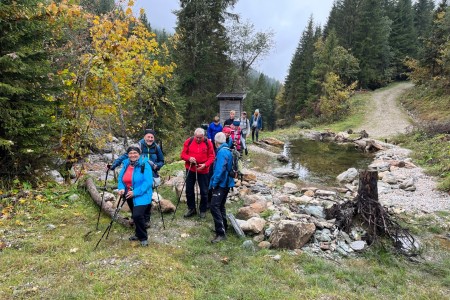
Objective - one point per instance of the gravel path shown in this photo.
(384, 118)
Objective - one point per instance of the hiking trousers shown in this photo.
(203, 182)
(218, 212)
(255, 131)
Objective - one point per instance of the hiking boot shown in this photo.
(133, 238)
(144, 243)
(246, 151)
(190, 213)
(218, 238)
(202, 215)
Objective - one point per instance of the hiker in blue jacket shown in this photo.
(213, 129)
(153, 154)
(135, 182)
(220, 185)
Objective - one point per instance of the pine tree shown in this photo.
(372, 47)
(27, 79)
(403, 38)
(423, 20)
(202, 63)
(344, 20)
(297, 83)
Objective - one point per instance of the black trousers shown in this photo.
(203, 182)
(218, 212)
(138, 215)
(255, 131)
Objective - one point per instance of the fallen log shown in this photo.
(97, 197)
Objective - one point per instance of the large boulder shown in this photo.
(285, 173)
(291, 234)
(348, 176)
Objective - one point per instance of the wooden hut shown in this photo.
(228, 102)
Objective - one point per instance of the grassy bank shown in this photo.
(47, 253)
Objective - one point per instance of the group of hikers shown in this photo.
(208, 161)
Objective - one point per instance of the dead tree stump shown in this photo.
(373, 215)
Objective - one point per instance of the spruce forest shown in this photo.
(71, 68)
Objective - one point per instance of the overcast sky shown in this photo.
(286, 18)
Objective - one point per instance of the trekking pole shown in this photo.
(181, 193)
(160, 209)
(116, 213)
(197, 204)
(103, 197)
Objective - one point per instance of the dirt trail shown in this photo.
(384, 117)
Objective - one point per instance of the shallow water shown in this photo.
(320, 162)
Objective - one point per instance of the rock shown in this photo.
(341, 136)
(248, 245)
(246, 212)
(408, 185)
(258, 238)
(74, 197)
(316, 211)
(247, 176)
(290, 188)
(264, 245)
(300, 200)
(390, 178)
(291, 234)
(166, 206)
(260, 188)
(313, 189)
(358, 245)
(379, 165)
(309, 193)
(347, 176)
(56, 176)
(285, 173)
(282, 158)
(276, 257)
(253, 225)
(323, 235)
(324, 193)
(383, 187)
(51, 227)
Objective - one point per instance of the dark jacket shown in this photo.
(222, 167)
(152, 153)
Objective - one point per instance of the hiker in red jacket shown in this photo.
(198, 154)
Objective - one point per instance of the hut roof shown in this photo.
(231, 96)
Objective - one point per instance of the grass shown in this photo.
(180, 263)
(41, 263)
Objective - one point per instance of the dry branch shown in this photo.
(97, 197)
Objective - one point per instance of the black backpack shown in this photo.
(236, 167)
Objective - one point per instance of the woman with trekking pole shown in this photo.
(135, 182)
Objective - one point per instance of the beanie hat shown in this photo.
(236, 123)
(134, 147)
(257, 111)
(151, 131)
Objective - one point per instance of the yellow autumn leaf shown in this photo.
(22, 201)
(19, 223)
(64, 205)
